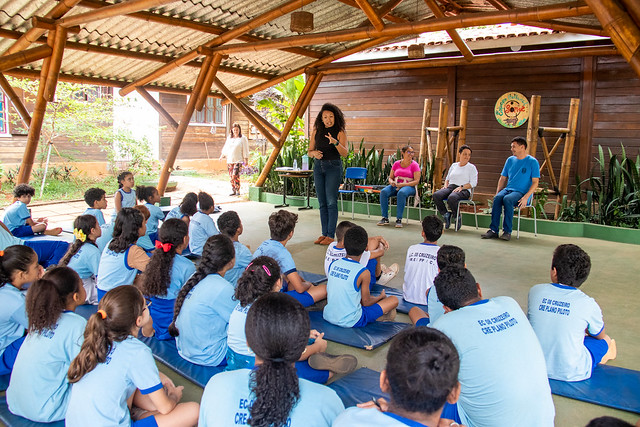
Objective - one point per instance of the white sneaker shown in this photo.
(388, 274)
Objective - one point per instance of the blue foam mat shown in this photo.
(360, 386)
(403, 306)
(314, 278)
(4, 382)
(610, 386)
(13, 420)
(62, 237)
(166, 353)
(369, 337)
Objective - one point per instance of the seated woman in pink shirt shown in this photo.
(403, 179)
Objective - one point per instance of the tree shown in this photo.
(278, 102)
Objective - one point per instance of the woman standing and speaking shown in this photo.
(327, 145)
(236, 150)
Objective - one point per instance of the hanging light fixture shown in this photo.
(415, 51)
(301, 22)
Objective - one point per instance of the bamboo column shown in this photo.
(59, 42)
(285, 132)
(572, 124)
(24, 57)
(309, 95)
(534, 124)
(208, 81)
(182, 128)
(15, 100)
(156, 106)
(425, 150)
(274, 130)
(464, 111)
(441, 144)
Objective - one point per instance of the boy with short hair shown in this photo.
(18, 218)
(420, 267)
(201, 226)
(97, 200)
(448, 256)
(503, 376)
(281, 226)
(371, 258)
(349, 303)
(560, 314)
(230, 225)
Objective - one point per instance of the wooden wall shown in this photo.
(385, 108)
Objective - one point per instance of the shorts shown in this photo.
(450, 412)
(423, 322)
(8, 357)
(145, 422)
(22, 231)
(371, 266)
(304, 298)
(597, 349)
(369, 315)
(101, 294)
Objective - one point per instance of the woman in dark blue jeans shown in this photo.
(327, 145)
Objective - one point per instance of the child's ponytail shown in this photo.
(259, 278)
(218, 251)
(116, 317)
(82, 227)
(15, 258)
(157, 276)
(47, 297)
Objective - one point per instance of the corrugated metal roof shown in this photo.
(133, 35)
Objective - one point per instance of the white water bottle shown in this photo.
(295, 164)
(305, 162)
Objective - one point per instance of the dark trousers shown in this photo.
(452, 198)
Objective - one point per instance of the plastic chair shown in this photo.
(535, 217)
(353, 174)
(468, 201)
(417, 202)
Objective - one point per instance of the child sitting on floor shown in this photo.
(49, 251)
(261, 277)
(39, 389)
(349, 303)
(561, 314)
(187, 208)
(230, 225)
(18, 218)
(150, 196)
(83, 255)
(166, 273)
(448, 256)
(144, 241)
(97, 200)
(125, 196)
(281, 226)
(421, 378)
(420, 267)
(201, 226)
(371, 258)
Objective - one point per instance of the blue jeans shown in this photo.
(506, 199)
(402, 194)
(327, 175)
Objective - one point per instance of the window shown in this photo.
(212, 113)
(4, 114)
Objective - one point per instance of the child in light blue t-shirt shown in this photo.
(18, 219)
(97, 201)
(204, 304)
(277, 329)
(39, 389)
(230, 225)
(166, 273)
(114, 368)
(150, 196)
(83, 255)
(125, 196)
(187, 208)
(201, 225)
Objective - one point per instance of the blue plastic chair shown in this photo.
(354, 174)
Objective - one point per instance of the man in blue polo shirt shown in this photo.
(518, 180)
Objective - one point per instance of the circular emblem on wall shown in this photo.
(512, 109)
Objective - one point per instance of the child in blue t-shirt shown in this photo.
(201, 225)
(166, 273)
(448, 256)
(18, 267)
(568, 322)
(271, 394)
(187, 208)
(421, 378)
(230, 225)
(115, 371)
(281, 226)
(83, 255)
(18, 218)
(122, 260)
(97, 201)
(349, 303)
(39, 389)
(150, 196)
(125, 197)
(262, 276)
(204, 304)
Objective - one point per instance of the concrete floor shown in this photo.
(502, 268)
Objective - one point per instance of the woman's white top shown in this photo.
(236, 149)
(461, 175)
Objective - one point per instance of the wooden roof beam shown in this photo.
(117, 9)
(371, 14)
(259, 20)
(15, 100)
(194, 25)
(498, 4)
(387, 16)
(455, 37)
(569, 28)
(633, 8)
(24, 57)
(383, 12)
(555, 11)
(34, 33)
(158, 107)
(50, 25)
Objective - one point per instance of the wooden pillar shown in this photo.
(59, 41)
(285, 132)
(572, 124)
(588, 100)
(425, 150)
(182, 128)
(534, 124)
(15, 100)
(274, 130)
(156, 106)
(462, 136)
(441, 143)
(208, 81)
(309, 95)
